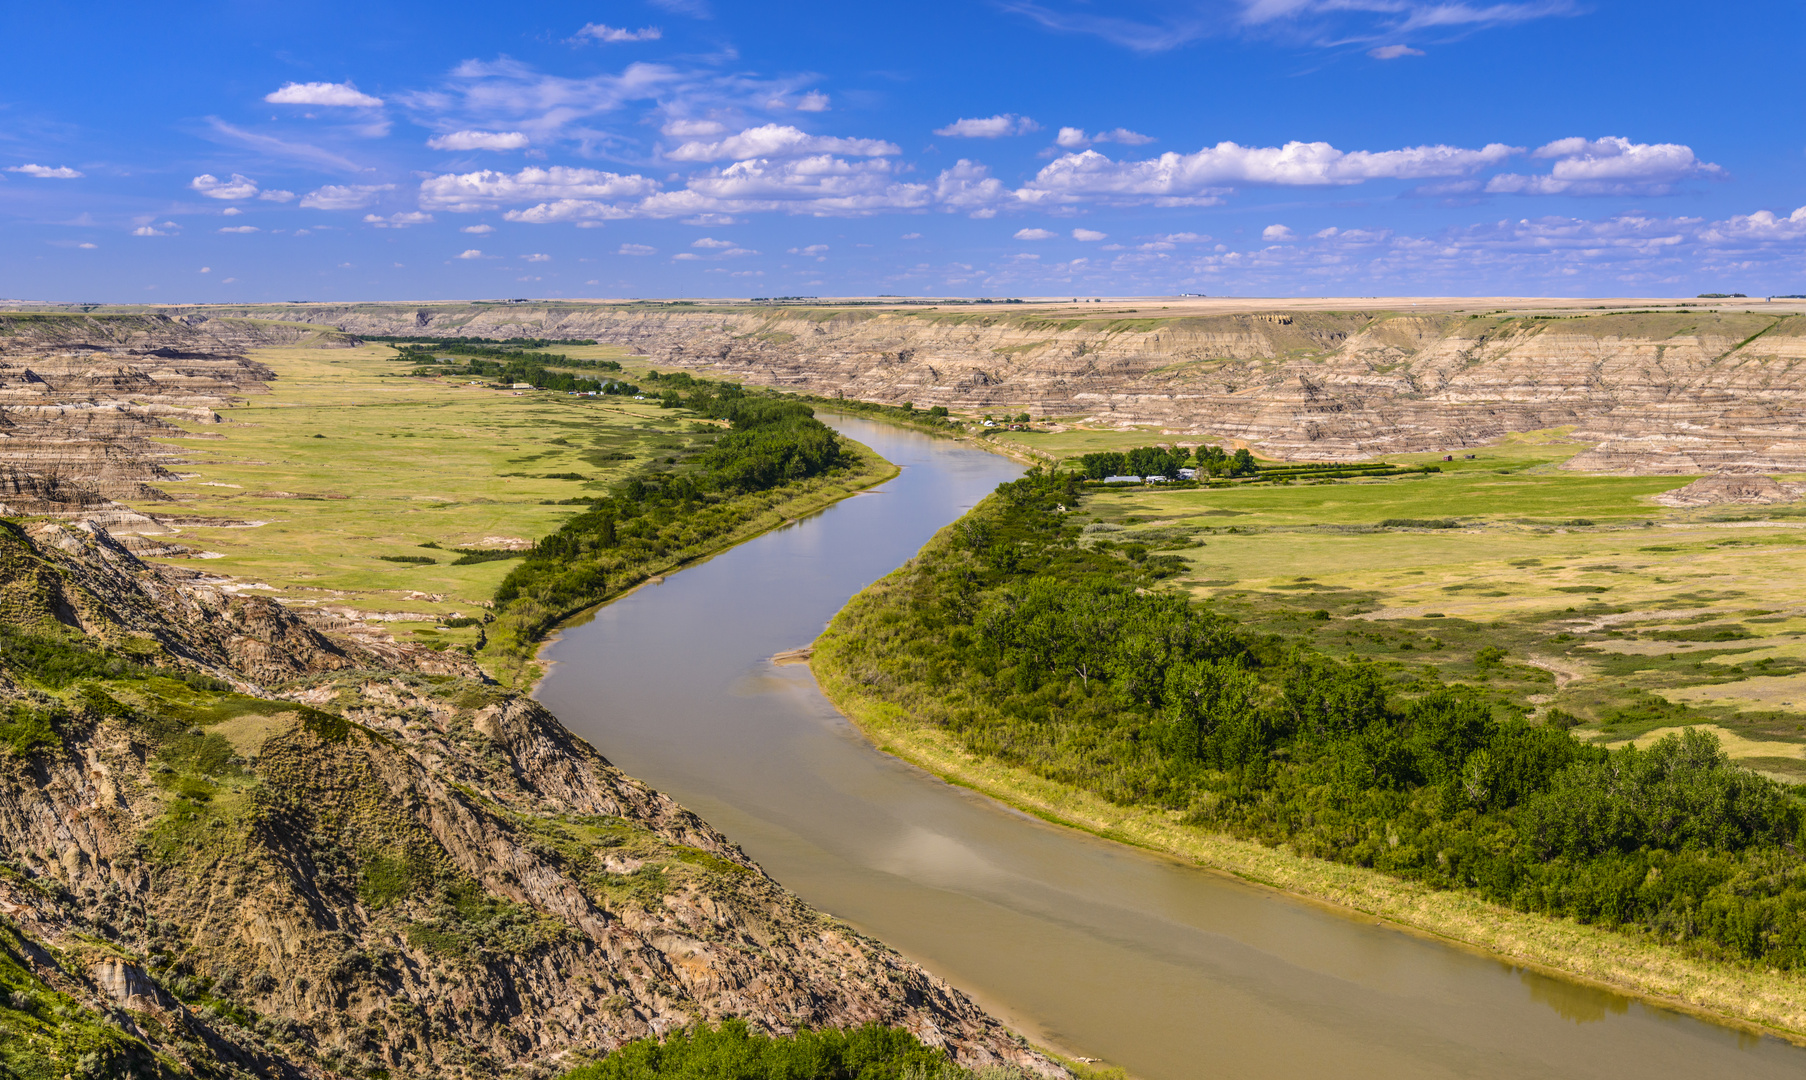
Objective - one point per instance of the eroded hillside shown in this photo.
(234, 845)
(1663, 391)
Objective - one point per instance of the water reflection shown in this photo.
(1581, 1004)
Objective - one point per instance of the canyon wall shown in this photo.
(1670, 391)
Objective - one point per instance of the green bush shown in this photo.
(732, 1051)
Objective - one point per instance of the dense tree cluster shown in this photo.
(732, 1051)
(1164, 461)
(1034, 646)
(769, 442)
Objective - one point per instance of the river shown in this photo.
(1170, 971)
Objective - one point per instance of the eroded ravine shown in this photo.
(1171, 971)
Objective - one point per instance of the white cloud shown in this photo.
(231, 211)
(478, 229)
(812, 249)
(1183, 238)
(1072, 138)
(85, 246)
(1761, 226)
(910, 236)
(276, 195)
(635, 249)
(710, 220)
(478, 140)
(1201, 178)
(1088, 235)
(711, 242)
(470, 253)
(1035, 234)
(990, 127)
(969, 186)
(537, 257)
(1311, 23)
(240, 229)
(146, 230)
(1393, 52)
(1608, 166)
(237, 187)
(399, 220)
(206, 269)
(693, 129)
(1274, 233)
(321, 93)
(613, 34)
(343, 196)
(813, 101)
(486, 188)
(779, 140)
(822, 185)
(45, 172)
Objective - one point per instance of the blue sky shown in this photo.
(253, 150)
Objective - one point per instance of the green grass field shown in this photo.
(1631, 616)
(346, 461)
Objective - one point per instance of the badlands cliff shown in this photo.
(1672, 390)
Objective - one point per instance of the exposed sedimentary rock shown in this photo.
(1750, 490)
(1663, 392)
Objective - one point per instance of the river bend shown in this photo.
(1168, 970)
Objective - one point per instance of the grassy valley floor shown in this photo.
(351, 487)
(1555, 596)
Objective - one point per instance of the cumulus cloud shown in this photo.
(398, 220)
(477, 229)
(1610, 166)
(910, 236)
(321, 93)
(813, 249)
(1276, 233)
(1072, 138)
(813, 101)
(1088, 235)
(970, 187)
(1035, 234)
(990, 127)
(45, 172)
(146, 230)
(1201, 178)
(537, 257)
(636, 249)
(711, 242)
(478, 140)
(276, 195)
(470, 253)
(487, 188)
(1393, 52)
(693, 129)
(236, 187)
(779, 140)
(343, 196)
(1761, 226)
(614, 34)
(822, 185)
(240, 229)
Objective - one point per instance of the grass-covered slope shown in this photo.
(1041, 661)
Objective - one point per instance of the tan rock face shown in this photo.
(1669, 392)
(83, 399)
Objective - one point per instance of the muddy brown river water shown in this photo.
(1171, 971)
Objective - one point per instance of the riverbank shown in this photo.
(1763, 1001)
(782, 506)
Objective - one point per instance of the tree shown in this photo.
(1242, 464)
(1212, 460)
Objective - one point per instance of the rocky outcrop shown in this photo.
(1747, 490)
(83, 400)
(1652, 392)
(378, 863)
